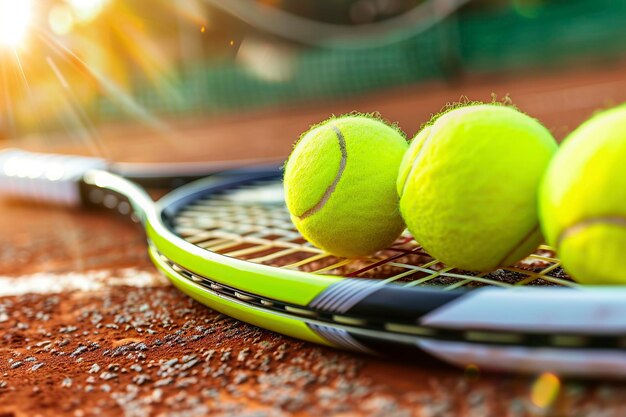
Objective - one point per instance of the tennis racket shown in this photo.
(228, 242)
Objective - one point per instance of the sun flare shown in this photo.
(15, 17)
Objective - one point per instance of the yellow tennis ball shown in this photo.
(468, 186)
(583, 200)
(340, 185)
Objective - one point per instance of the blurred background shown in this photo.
(113, 76)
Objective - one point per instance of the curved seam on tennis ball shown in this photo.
(583, 224)
(331, 188)
(514, 248)
(417, 157)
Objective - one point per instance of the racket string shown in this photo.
(252, 223)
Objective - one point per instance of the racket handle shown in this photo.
(46, 178)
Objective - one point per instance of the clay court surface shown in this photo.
(89, 327)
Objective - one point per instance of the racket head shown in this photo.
(255, 195)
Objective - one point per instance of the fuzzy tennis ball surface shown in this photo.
(468, 185)
(340, 185)
(583, 200)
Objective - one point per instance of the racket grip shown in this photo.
(46, 178)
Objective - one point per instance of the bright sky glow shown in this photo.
(86, 10)
(15, 16)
